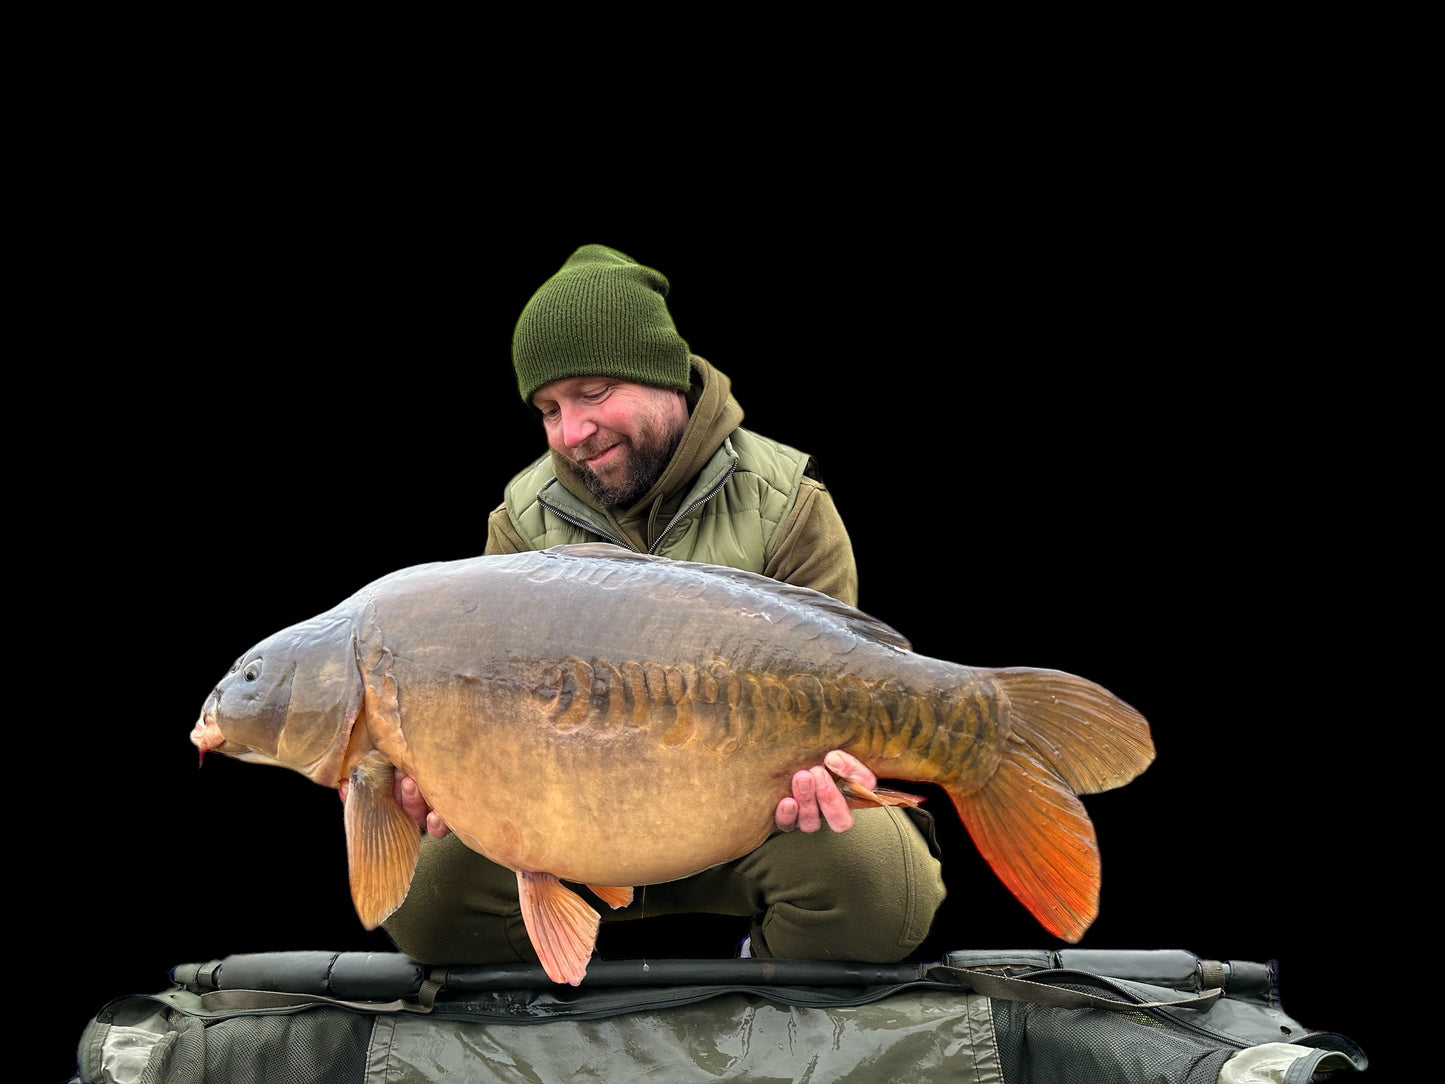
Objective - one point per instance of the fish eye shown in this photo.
(253, 670)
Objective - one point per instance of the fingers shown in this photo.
(786, 815)
(851, 768)
(816, 799)
(798, 811)
(408, 796)
(435, 826)
(415, 805)
(805, 787)
(831, 804)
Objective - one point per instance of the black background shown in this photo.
(1065, 432)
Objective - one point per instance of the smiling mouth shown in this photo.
(593, 461)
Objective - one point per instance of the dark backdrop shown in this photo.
(1057, 442)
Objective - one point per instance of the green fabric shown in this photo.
(730, 516)
(602, 314)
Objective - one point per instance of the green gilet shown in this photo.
(730, 516)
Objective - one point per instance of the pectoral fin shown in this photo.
(612, 896)
(382, 842)
(563, 929)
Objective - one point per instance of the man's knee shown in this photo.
(870, 893)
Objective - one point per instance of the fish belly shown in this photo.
(605, 805)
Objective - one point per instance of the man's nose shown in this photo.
(577, 425)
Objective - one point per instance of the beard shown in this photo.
(648, 456)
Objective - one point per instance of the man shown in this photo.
(646, 451)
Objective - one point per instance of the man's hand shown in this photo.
(816, 797)
(408, 795)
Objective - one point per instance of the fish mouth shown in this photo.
(206, 735)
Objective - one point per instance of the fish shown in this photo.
(541, 700)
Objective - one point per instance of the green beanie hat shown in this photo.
(603, 314)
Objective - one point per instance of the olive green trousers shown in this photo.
(867, 894)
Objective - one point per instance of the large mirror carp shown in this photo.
(541, 699)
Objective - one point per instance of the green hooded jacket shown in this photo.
(728, 497)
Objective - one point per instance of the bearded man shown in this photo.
(646, 451)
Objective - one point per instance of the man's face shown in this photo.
(619, 436)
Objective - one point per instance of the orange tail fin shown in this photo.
(1039, 841)
(1067, 736)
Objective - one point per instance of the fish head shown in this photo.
(292, 700)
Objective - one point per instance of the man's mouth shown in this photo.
(602, 458)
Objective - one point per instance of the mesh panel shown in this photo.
(1039, 1044)
(318, 1046)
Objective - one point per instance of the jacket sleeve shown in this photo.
(813, 547)
(502, 537)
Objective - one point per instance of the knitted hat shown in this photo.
(602, 314)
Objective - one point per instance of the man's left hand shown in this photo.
(816, 798)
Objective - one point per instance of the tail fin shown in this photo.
(1067, 736)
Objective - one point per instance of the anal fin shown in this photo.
(860, 797)
(560, 924)
(382, 842)
(612, 895)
